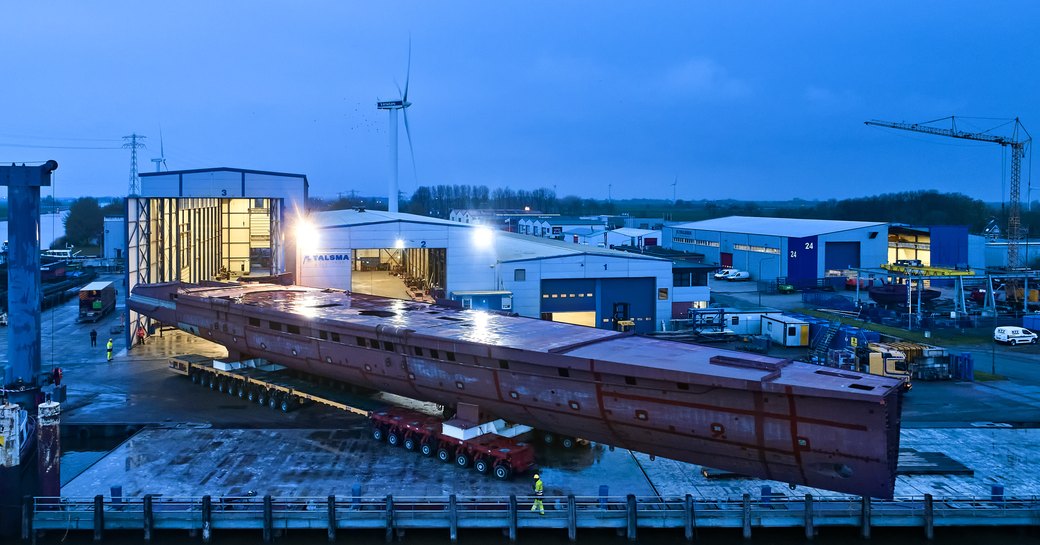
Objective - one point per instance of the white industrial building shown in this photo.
(416, 257)
(802, 250)
(554, 227)
(603, 238)
(114, 240)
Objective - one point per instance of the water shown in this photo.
(52, 227)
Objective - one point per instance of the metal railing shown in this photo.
(511, 513)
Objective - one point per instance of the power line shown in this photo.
(132, 143)
(37, 146)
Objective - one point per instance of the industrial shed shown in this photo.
(420, 258)
(801, 250)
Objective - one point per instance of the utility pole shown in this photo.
(133, 142)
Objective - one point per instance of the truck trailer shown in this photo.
(96, 300)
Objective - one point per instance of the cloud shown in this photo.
(706, 79)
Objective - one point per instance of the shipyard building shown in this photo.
(800, 250)
(420, 258)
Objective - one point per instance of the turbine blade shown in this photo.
(411, 150)
(408, 71)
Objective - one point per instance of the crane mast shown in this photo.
(1018, 151)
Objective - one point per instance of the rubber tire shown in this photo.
(426, 450)
(462, 460)
(242, 391)
(1013, 342)
(261, 399)
(195, 378)
(444, 456)
(567, 442)
(222, 386)
(286, 405)
(378, 434)
(272, 403)
(409, 444)
(251, 395)
(211, 383)
(482, 466)
(232, 388)
(393, 439)
(548, 438)
(503, 472)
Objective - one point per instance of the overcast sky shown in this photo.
(746, 100)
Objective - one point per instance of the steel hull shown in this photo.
(753, 417)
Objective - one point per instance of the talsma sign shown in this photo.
(327, 258)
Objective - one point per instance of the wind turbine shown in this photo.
(392, 106)
(161, 160)
(674, 182)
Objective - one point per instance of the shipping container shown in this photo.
(785, 330)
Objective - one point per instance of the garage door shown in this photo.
(571, 295)
(841, 255)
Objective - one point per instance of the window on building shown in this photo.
(520, 275)
(735, 320)
(275, 326)
(255, 322)
(662, 294)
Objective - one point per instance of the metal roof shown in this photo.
(222, 169)
(633, 232)
(781, 227)
(508, 246)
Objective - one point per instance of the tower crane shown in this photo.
(1017, 142)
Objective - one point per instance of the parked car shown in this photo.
(784, 289)
(738, 276)
(723, 273)
(1014, 335)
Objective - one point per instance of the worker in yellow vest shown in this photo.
(108, 348)
(538, 492)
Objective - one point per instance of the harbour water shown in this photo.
(52, 227)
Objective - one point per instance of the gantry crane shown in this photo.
(1016, 142)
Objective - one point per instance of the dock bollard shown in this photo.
(747, 516)
(810, 531)
(865, 518)
(512, 518)
(453, 518)
(929, 517)
(689, 517)
(389, 518)
(99, 517)
(268, 518)
(27, 514)
(207, 518)
(149, 520)
(633, 520)
(332, 519)
(572, 519)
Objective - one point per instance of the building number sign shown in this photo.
(808, 246)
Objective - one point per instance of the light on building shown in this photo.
(483, 237)
(306, 235)
(399, 244)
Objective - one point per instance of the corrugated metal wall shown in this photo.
(949, 245)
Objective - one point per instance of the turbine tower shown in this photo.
(160, 161)
(392, 106)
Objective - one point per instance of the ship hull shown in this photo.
(750, 425)
(891, 294)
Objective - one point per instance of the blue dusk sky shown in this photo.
(744, 100)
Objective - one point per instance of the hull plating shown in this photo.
(757, 416)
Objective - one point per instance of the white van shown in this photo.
(1014, 335)
(723, 273)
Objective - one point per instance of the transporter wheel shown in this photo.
(211, 382)
(443, 455)
(567, 442)
(242, 391)
(273, 402)
(195, 378)
(286, 405)
(503, 472)
(393, 438)
(548, 438)
(377, 433)
(462, 459)
(232, 388)
(261, 398)
(482, 466)
(251, 395)
(222, 385)
(409, 444)
(426, 449)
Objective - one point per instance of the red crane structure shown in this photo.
(1017, 142)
